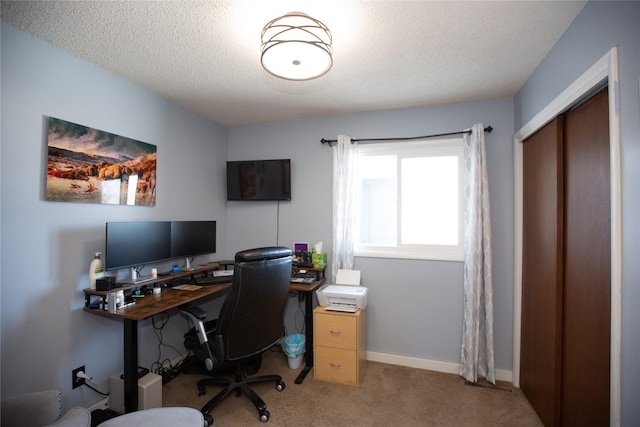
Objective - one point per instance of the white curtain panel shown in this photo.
(345, 203)
(476, 358)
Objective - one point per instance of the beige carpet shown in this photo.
(388, 396)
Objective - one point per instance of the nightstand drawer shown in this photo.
(337, 365)
(336, 331)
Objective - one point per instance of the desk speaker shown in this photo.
(106, 283)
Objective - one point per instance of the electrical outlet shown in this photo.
(77, 381)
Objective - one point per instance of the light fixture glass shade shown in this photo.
(296, 47)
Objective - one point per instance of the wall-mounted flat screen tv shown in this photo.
(251, 180)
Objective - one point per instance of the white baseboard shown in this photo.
(431, 365)
(412, 362)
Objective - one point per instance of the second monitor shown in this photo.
(192, 238)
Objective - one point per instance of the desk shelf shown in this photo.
(316, 273)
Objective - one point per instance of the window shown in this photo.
(412, 200)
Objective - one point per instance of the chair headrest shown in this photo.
(261, 254)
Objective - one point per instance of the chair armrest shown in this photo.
(75, 417)
(32, 409)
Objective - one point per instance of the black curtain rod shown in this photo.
(329, 141)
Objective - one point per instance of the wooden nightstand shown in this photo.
(339, 345)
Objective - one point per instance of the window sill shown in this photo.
(446, 254)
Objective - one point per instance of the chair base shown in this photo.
(239, 384)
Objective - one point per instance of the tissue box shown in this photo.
(319, 260)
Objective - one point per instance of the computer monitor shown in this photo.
(130, 244)
(192, 238)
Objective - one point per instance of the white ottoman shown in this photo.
(158, 417)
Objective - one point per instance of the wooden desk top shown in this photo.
(170, 298)
(153, 304)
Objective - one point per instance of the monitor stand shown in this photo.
(187, 265)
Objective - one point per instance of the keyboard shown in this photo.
(179, 281)
(212, 280)
(222, 273)
(305, 280)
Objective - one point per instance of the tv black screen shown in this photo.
(130, 244)
(259, 180)
(192, 238)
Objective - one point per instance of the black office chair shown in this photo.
(250, 322)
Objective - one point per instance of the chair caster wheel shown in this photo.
(208, 419)
(264, 416)
(280, 386)
(202, 391)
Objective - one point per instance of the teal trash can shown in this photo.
(294, 348)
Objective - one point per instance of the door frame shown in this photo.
(604, 70)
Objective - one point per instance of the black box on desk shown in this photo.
(106, 283)
(303, 259)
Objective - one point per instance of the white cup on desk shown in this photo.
(154, 273)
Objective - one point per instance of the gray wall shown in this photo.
(415, 307)
(599, 27)
(47, 246)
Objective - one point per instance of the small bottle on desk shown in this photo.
(96, 270)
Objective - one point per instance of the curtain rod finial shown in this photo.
(326, 141)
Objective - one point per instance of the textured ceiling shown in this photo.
(205, 55)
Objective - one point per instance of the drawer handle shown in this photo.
(335, 365)
(335, 332)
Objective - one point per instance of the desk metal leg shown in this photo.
(130, 365)
(308, 354)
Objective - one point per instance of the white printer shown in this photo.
(346, 294)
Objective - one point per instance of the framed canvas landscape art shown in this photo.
(87, 165)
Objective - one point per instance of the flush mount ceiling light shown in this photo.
(296, 46)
